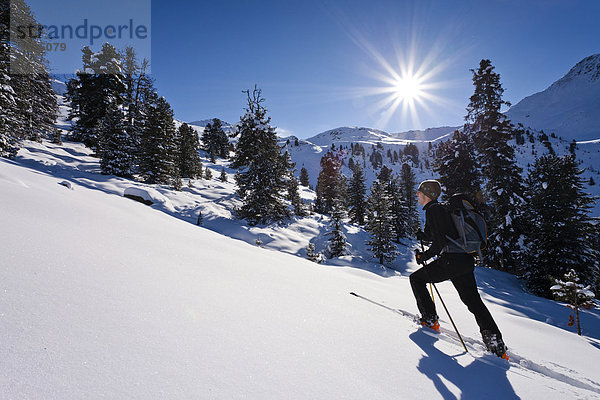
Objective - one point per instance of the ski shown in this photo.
(443, 332)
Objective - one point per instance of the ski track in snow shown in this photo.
(477, 350)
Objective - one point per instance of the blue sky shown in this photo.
(323, 64)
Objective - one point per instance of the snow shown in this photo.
(104, 297)
(569, 107)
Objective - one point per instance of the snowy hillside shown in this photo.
(104, 297)
(570, 107)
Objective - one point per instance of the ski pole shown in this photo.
(445, 308)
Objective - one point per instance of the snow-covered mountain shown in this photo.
(570, 107)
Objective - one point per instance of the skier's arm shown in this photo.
(434, 229)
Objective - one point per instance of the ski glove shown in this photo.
(419, 257)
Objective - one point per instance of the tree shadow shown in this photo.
(476, 381)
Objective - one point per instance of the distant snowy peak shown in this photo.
(588, 69)
(371, 135)
(569, 107)
(429, 134)
(348, 134)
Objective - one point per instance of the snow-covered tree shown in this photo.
(491, 132)
(408, 188)
(28, 93)
(118, 147)
(576, 295)
(262, 178)
(99, 85)
(380, 225)
(337, 242)
(304, 180)
(456, 165)
(215, 141)
(331, 184)
(189, 163)
(357, 192)
(560, 229)
(223, 176)
(312, 255)
(158, 153)
(8, 117)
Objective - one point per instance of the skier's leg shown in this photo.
(467, 290)
(431, 273)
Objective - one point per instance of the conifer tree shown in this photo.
(380, 225)
(330, 183)
(25, 81)
(8, 118)
(158, 158)
(189, 162)
(262, 178)
(223, 176)
(100, 84)
(304, 180)
(357, 191)
(118, 147)
(491, 132)
(408, 185)
(337, 242)
(215, 141)
(457, 167)
(576, 295)
(560, 230)
(312, 255)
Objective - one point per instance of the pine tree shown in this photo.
(457, 166)
(118, 147)
(8, 118)
(100, 84)
(223, 176)
(491, 132)
(337, 242)
(263, 176)
(25, 80)
(576, 295)
(357, 191)
(304, 180)
(159, 150)
(398, 205)
(380, 225)
(295, 199)
(189, 162)
(215, 141)
(312, 255)
(408, 188)
(560, 230)
(330, 183)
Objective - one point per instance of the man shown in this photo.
(458, 267)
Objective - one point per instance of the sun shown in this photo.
(408, 88)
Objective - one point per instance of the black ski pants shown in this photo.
(459, 269)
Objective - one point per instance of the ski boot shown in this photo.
(494, 343)
(430, 322)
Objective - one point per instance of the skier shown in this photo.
(458, 267)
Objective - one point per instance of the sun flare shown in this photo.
(408, 88)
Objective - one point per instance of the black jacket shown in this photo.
(438, 224)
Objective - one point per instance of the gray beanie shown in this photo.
(430, 188)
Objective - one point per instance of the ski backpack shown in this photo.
(470, 226)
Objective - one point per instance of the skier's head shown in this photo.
(431, 189)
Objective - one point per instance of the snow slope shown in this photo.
(570, 107)
(104, 297)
